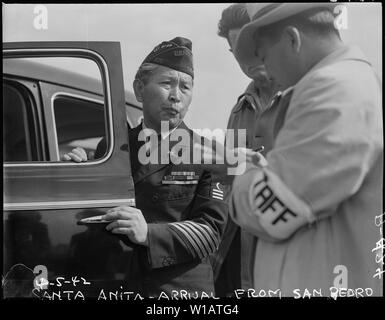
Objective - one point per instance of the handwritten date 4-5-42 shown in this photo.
(61, 281)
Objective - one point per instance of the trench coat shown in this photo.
(325, 170)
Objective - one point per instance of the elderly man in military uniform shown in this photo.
(180, 209)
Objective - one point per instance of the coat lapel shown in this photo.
(141, 171)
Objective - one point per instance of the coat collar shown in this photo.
(144, 171)
(347, 52)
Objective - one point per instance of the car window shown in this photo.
(19, 132)
(66, 108)
(70, 102)
(79, 122)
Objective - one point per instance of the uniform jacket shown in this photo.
(185, 222)
(249, 107)
(325, 177)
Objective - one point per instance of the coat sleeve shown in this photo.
(330, 140)
(199, 234)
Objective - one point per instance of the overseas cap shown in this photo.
(175, 54)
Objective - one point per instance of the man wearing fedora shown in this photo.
(181, 211)
(314, 206)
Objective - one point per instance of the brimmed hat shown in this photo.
(262, 14)
(175, 54)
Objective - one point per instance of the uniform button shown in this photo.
(155, 197)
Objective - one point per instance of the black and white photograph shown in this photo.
(192, 152)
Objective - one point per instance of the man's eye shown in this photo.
(231, 50)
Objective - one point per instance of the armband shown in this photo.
(279, 210)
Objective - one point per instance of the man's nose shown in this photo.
(174, 94)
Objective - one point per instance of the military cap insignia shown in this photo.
(179, 53)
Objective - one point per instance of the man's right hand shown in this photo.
(77, 155)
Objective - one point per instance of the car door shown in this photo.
(44, 197)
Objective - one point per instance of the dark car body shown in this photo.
(46, 112)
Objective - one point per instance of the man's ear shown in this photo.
(294, 38)
(138, 89)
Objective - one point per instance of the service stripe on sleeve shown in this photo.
(209, 243)
(200, 236)
(211, 234)
(189, 235)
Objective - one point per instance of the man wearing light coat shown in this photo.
(315, 204)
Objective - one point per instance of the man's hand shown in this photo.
(253, 157)
(238, 160)
(77, 155)
(129, 221)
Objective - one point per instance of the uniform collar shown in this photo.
(250, 98)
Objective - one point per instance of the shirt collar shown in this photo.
(278, 96)
(249, 98)
(149, 132)
(286, 91)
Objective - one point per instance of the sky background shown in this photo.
(140, 27)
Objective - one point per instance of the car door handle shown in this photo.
(93, 220)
